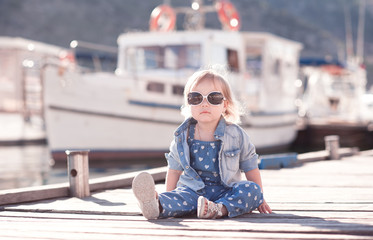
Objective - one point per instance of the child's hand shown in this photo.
(264, 208)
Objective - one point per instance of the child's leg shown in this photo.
(143, 188)
(180, 202)
(243, 198)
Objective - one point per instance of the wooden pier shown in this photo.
(330, 199)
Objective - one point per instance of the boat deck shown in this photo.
(316, 200)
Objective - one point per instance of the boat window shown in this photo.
(94, 57)
(143, 58)
(153, 57)
(233, 60)
(341, 86)
(168, 57)
(253, 61)
(155, 87)
(171, 57)
(96, 61)
(277, 67)
(192, 56)
(178, 90)
(254, 65)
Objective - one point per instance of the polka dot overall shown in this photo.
(241, 198)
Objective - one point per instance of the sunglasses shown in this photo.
(214, 98)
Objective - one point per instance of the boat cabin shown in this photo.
(332, 91)
(162, 61)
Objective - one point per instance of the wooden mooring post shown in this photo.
(78, 172)
(332, 146)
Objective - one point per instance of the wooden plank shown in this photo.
(124, 180)
(30, 194)
(183, 227)
(122, 200)
(294, 189)
(283, 160)
(354, 171)
(117, 181)
(324, 155)
(323, 200)
(129, 234)
(326, 207)
(287, 215)
(33, 193)
(348, 221)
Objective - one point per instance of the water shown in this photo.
(26, 166)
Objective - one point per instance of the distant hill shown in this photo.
(318, 24)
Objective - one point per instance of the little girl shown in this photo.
(206, 158)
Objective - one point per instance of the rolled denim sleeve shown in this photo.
(172, 158)
(249, 157)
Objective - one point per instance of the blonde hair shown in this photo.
(232, 112)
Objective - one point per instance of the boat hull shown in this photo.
(15, 130)
(125, 136)
(350, 135)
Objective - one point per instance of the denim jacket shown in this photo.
(236, 154)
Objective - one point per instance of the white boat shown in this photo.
(334, 102)
(21, 98)
(134, 111)
(334, 99)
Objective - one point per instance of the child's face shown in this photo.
(206, 112)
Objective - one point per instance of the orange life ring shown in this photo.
(162, 18)
(228, 15)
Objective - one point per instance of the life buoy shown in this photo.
(228, 15)
(67, 61)
(162, 19)
(67, 57)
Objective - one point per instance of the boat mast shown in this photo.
(352, 56)
(349, 38)
(360, 33)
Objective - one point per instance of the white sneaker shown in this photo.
(213, 210)
(143, 188)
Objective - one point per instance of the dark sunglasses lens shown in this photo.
(194, 98)
(215, 98)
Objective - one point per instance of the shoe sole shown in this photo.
(143, 188)
(201, 206)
